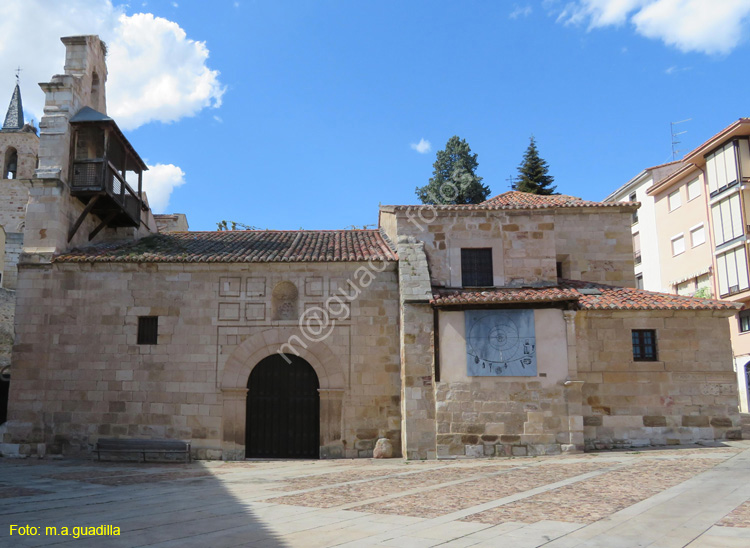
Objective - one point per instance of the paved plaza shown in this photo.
(692, 496)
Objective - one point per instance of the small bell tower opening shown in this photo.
(10, 166)
(95, 89)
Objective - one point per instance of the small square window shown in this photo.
(644, 345)
(476, 267)
(148, 329)
(744, 319)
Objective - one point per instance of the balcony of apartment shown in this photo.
(728, 166)
(103, 163)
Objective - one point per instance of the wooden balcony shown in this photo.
(102, 158)
(117, 201)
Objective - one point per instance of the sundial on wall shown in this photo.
(500, 343)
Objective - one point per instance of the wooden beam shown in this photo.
(104, 223)
(82, 216)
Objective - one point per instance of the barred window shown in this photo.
(644, 345)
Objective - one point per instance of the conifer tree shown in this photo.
(454, 179)
(533, 173)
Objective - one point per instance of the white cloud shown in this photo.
(674, 69)
(156, 73)
(520, 11)
(159, 182)
(423, 146)
(712, 27)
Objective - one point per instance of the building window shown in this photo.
(644, 345)
(637, 248)
(721, 169)
(476, 267)
(727, 219)
(697, 236)
(678, 244)
(732, 272)
(675, 200)
(639, 281)
(744, 320)
(632, 198)
(693, 189)
(148, 329)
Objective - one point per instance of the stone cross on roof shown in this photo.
(14, 117)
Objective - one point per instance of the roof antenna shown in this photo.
(18, 74)
(675, 141)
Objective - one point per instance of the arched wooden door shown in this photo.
(283, 410)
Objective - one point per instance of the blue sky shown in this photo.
(315, 104)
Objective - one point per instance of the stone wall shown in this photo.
(79, 374)
(417, 351)
(595, 245)
(26, 145)
(690, 394)
(522, 242)
(13, 250)
(504, 416)
(173, 222)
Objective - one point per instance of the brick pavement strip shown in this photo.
(596, 498)
(332, 478)
(739, 517)
(348, 493)
(458, 497)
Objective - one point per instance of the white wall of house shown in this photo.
(645, 228)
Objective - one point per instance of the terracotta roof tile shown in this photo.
(242, 246)
(523, 200)
(587, 296)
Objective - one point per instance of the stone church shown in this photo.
(510, 327)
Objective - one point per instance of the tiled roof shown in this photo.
(524, 200)
(587, 295)
(242, 246)
(514, 199)
(443, 297)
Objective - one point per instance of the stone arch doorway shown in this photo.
(283, 409)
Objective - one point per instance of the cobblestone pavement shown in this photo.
(695, 496)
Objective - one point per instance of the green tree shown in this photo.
(533, 173)
(225, 225)
(454, 179)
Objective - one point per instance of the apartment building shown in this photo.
(694, 218)
(643, 226)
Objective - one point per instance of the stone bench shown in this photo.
(142, 447)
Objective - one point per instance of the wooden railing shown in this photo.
(121, 192)
(100, 175)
